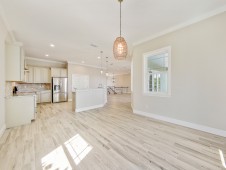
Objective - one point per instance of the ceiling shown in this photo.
(81, 29)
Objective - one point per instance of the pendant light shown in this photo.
(120, 49)
(101, 56)
(113, 79)
(107, 66)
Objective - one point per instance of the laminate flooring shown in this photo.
(111, 137)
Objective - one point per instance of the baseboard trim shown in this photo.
(183, 123)
(2, 130)
(69, 100)
(89, 108)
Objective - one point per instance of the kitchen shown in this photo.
(31, 82)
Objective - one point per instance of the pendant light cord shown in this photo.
(101, 55)
(120, 18)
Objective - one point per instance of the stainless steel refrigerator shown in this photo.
(59, 89)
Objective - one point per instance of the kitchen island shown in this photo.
(86, 99)
(20, 110)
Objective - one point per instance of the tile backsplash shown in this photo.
(25, 87)
(32, 87)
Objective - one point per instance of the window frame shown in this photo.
(146, 72)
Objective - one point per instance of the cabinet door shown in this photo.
(63, 73)
(22, 73)
(55, 72)
(38, 97)
(37, 75)
(45, 97)
(29, 77)
(14, 68)
(45, 75)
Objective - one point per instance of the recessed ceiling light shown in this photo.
(52, 45)
(98, 57)
(47, 55)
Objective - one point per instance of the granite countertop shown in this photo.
(9, 97)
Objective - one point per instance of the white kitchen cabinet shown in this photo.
(45, 96)
(55, 72)
(37, 75)
(14, 63)
(63, 73)
(58, 72)
(38, 97)
(41, 75)
(29, 75)
(46, 75)
(20, 110)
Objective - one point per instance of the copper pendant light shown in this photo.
(120, 48)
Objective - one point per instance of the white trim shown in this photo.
(2, 130)
(203, 128)
(144, 73)
(45, 60)
(89, 108)
(183, 25)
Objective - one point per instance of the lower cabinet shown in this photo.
(44, 96)
(20, 110)
(38, 97)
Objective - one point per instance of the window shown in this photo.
(157, 72)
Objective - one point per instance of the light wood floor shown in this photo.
(108, 138)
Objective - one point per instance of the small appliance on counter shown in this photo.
(59, 89)
(15, 89)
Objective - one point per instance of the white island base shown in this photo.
(87, 99)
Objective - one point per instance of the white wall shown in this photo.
(2, 75)
(95, 78)
(198, 82)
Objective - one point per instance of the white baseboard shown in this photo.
(89, 108)
(183, 123)
(2, 130)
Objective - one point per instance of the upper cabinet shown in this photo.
(58, 72)
(41, 75)
(29, 75)
(38, 75)
(14, 63)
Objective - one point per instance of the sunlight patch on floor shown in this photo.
(222, 158)
(56, 160)
(78, 148)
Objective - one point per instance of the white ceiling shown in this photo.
(74, 25)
